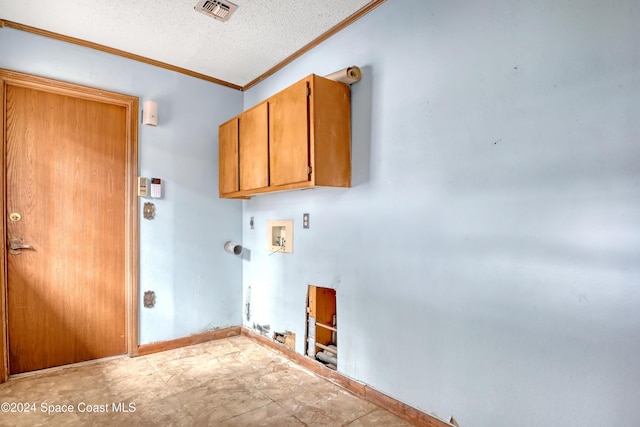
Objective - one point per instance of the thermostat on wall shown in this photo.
(156, 188)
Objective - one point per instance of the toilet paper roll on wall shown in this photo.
(233, 248)
(348, 75)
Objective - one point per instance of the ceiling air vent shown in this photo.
(221, 10)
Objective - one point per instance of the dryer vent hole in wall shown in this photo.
(321, 342)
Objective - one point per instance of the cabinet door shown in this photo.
(289, 135)
(254, 148)
(228, 157)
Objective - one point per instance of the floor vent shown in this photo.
(221, 10)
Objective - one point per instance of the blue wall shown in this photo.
(197, 284)
(487, 258)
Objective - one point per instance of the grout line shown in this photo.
(363, 415)
(254, 409)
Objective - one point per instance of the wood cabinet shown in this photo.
(243, 148)
(289, 130)
(298, 138)
(229, 179)
(254, 148)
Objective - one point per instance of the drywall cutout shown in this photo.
(322, 328)
(287, 338)
(280, 236)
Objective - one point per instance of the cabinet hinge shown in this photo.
(309, 170)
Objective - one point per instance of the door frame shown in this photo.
(132, 265)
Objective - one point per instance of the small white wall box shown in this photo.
(280, 236)
(150, 113)
(143, 186)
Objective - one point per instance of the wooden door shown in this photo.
(289, 156)
(66, 160)
(254, 148)
(228, 175)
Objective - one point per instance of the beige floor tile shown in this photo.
(41, 417)
(287, 382)
(230, 382)
(268, 415)
(326, 405)
(379, 417)
(214, 403)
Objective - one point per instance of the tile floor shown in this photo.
(230, 382)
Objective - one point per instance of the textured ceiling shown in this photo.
(258, 36)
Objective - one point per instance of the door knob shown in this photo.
(16, 246)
